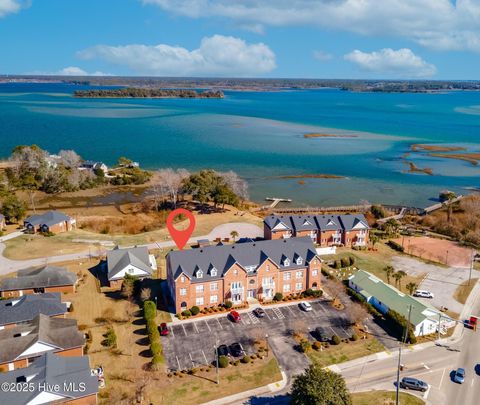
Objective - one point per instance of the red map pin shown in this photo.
(180, 237)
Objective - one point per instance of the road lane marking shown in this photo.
(441, 379)
(173, 334)
(424, 365)
(279, 313)
(425, 396)
(472, 382)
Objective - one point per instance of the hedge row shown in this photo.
(358, 298)
(149, 313)
(395, 246)
(399, 324)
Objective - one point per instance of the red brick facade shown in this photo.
(20, 293)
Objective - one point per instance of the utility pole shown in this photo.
(399, 365)
(471, 267)
(216, 357)
(266, 341)
(439, 324)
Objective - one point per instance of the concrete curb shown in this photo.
(241, 396)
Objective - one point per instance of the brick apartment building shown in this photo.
(325, 230)
(38, 280)
(211, 275)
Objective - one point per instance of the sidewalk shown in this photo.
(241, 396)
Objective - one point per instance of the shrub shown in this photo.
(70, 308)
(228, 304)
(149, 310)
(278, 296)
(352, 260)
(195, 310)
(337, 264)
(395, 246)
(354, 337)
(317, 345)
(312, 293)
(186, 313)
(377, 211)
(236, 362)
(336, 340)
(110, 338)
(223, 361)
(345, 261)
(155, 348)
(246, 359)
(305, 346)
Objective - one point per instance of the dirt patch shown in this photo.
(472, 158)
(435, 148)
(463, 290)
(436, 250)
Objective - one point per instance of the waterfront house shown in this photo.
(423, 317)
(38, 280)
(132, 261)
(53, 379)
(15, 311)
(22, 344)
(325, 230)
(92, 165)
(211, 275)
(51, 221)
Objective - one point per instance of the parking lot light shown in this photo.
(216, 356)
(266, 341)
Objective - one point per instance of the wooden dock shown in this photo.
(276, 201)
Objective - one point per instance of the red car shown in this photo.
(164, 329)
(235, 316)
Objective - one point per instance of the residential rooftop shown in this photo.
(118, 259)
(43, 277)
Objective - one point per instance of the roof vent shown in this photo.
(201, 250)
(233, 247)
(254, 244)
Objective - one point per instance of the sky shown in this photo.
(367, 39)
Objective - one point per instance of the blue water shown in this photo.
(260, 135)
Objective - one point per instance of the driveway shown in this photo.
(191, 344)
(441, 281)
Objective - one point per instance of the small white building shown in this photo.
(382, 296)
(135, 262)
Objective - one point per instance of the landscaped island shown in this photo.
(135, 92)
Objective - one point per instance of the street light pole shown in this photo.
(216, 356)
(471, 267)
(266, 340)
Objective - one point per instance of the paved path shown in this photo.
(244, 230)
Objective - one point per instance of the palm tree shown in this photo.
(411, 287)
(391, 227)
(389, 270)
(234, 234)
(398, 278)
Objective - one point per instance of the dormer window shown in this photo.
(286, 261)
(199, 273)
(299, 260)
(182, 279)
(213, 272)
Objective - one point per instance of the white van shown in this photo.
(423, 294)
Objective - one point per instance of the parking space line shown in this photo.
(253, 318)
(291, 311)
(184, 331)
(219, 324)
(208, 326)
(268, 316)
(205, 357)
(193, 363)
(178, 362)
(279, 313)
(195, 326)
(173, 334)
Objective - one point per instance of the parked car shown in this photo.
(413, 384)
(164, 331)
(235, 316)
(259, 312)
(322, 334)
(305, 306)
(236, 350)
(459, 376)
(222, 350)
(423, 294)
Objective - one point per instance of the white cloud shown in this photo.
(399, 63)
(68, 71)
(322, 56)
(9, 6)
(436, 24)
(217, 55)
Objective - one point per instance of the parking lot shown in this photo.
(192, 344)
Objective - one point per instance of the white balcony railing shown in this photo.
(268, 286)
(237, 290)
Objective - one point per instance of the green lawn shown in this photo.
(384, 398)
(345, 352)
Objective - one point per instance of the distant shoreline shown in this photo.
(135, 92)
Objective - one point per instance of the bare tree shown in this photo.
(70, 158)
(145, 294)
(333, 287)
(172, 181)
(357, 313)
(238, 185)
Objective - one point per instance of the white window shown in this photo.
(182, 279)
(213, 286)
(314, 272)
(268, 267)
(235, 272)
(199, 288)
(286, 288)
(299, 260)
(199, 273)
(213, 299)
(130, 271)
(299, 274)
(298, 286)
(183, 291)
(213, 272)
(286, 262)
(199, 301)
(287, 275)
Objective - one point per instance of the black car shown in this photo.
(222, 350)
(322, 334)
(236, 350)
(259, 312)
(413, 384)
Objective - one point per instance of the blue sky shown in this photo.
(419, 39)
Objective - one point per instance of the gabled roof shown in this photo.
(118, 259)
(351, 222)
(393, 298)
(48, 218)
(278, 221)
(304, 222)
(60, 333)
(328, 222)
(51, 370)
(26, 308)
(246, 255)
(47, 276)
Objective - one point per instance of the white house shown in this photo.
(133, 261)
(423, 317)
